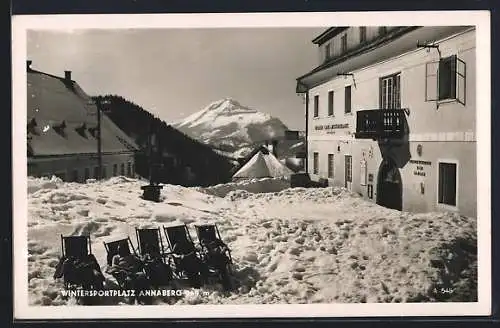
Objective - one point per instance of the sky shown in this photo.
(173, 73)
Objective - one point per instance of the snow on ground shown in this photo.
(290, 246)
(256, 185)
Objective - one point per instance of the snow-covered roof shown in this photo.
(62, 119)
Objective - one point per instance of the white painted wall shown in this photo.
(447, 131)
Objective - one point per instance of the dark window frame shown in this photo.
(316, 106)
(447, 183)
(347, 169)
(348, 100)
(75, 175)
(331, 99)
(395, 94)
(328, 51)
(331, 166)
(343, 43)
(315, 162)
(447, 78)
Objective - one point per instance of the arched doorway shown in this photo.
(389, 185)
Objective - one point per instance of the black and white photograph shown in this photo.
(194, 168)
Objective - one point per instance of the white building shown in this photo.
(391, 115)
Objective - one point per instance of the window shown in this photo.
(315, 163)
(445, 80)
(382, 30)
(133, 169)
(74, 176)
(104, 173)
(447, 188)
(96, 172)
(122, 169)
(87, 173)
(330, 103)
(347, 99)
(330, 166)
(328, 51)
(115, 170)
(362, 34)
(344, 43)
(390, 94)
(129, 169)
(348, 169)
(316, 106)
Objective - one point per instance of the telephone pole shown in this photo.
(99, 140)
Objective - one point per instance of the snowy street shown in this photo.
(296, 245)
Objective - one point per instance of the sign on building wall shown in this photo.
(331, 126)
(420, 167)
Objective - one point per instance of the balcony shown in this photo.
(380, 124)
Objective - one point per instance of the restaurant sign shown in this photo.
(331, 126)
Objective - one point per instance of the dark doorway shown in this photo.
(389, 186)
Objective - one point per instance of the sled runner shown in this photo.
(157, 263)
(187, 258)
(78, 266)
(215, 253)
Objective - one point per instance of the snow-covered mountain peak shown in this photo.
(222, 108)
(227, 122)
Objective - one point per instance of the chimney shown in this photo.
(67, 75)
(275, 148)
(28, 64)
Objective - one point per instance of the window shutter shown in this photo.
(461, 81)
(444, 77)
(453, 76)
(431, 81)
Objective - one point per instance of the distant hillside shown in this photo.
(208, 166)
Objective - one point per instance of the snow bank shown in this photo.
(295, 245)
(257, 185)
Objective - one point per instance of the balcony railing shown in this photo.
(380, 124)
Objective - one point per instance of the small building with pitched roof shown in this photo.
(62, 132)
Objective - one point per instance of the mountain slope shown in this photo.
(230, 126)
(139, 124)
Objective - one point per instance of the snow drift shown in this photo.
(256, 185)
(291, 246)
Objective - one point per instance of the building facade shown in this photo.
(391, 115)
(63, 132)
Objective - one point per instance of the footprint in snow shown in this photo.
(117, 202)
